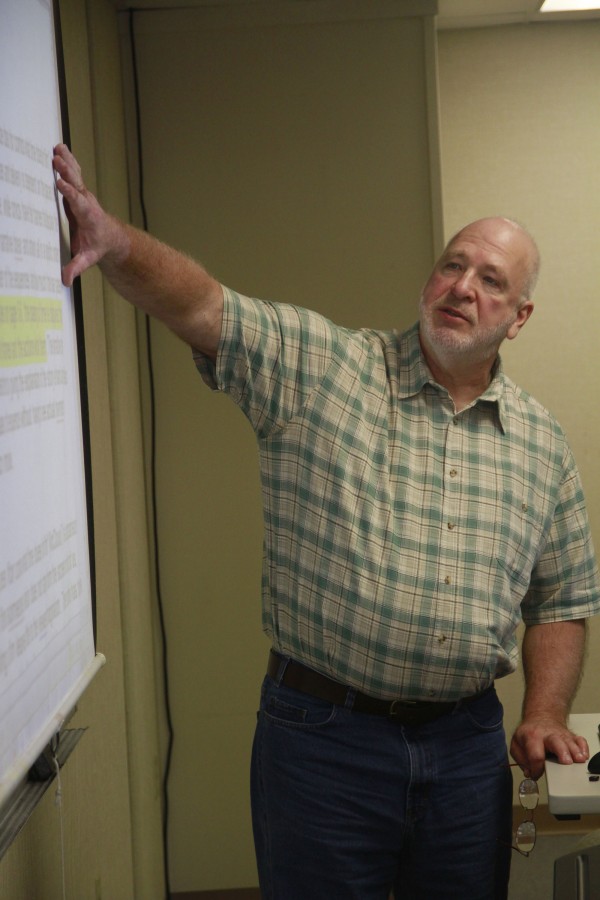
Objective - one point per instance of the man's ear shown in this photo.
(522, 315)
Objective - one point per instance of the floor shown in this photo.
(234, 894)
(532, 877)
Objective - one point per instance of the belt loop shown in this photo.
(350, 698)
(283, 664)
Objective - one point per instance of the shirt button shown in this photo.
(447, 580)
(451, 525)
(453, 473)
(441, 638)
(524, 507)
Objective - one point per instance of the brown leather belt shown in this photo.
(405, 712)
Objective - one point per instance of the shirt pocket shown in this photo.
(519, 535)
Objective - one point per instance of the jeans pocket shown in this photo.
(293, 709)
(486, 714)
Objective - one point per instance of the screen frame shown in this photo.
(79, 327)
(20, 784)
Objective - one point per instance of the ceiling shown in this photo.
(451, 13)
(469, 13)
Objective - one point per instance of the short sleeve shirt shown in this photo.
(404, 542)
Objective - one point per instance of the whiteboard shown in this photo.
(47, 647)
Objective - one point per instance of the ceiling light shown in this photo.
(568, 5)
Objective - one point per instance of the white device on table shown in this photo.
(575, 790)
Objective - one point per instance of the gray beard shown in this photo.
(452, 347)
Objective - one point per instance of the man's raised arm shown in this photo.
(160, 281)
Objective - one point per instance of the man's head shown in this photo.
(479, 292)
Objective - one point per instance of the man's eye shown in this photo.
(491, 281)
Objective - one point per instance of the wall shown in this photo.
(292, 158)
(111, 788)
(521, 137)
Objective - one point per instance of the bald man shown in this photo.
(418, 506)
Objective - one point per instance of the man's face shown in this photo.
(472, 300)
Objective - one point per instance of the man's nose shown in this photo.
(464, 286)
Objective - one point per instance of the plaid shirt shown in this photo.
(403, 542)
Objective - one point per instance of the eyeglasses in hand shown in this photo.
(525, 835)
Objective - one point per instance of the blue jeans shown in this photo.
(350, 806)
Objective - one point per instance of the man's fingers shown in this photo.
(69, 180)
(567, 747)
(531, 745)
(72, 195)
(67, 166)
(530, 756)
(90, 226)
(72, 270)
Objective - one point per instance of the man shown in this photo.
(417, 505)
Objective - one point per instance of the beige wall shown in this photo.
(520, 114)
(111, 803)
(292, 158)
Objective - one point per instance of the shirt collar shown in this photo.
(414, 374)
